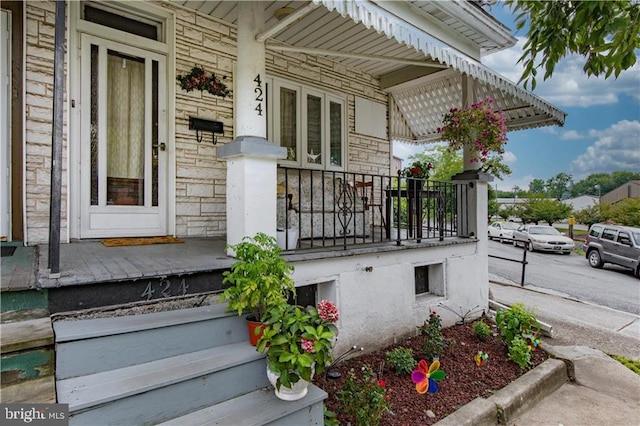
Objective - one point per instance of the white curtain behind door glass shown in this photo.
(125, 117)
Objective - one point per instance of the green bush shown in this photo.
(520, 352)
(401, 360)
(516, 321)
(364, 399)
(434, 342)
(631, 364)
(481, 330)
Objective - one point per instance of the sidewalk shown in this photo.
(582, 386)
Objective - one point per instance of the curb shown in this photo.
(515, 398)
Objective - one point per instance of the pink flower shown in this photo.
(307, 345)
(328, 311)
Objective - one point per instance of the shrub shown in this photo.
(631, 364)
(434, 342)
(481, 330)
(364, 399)
(520, 352)
(516, 322)
(401, 360)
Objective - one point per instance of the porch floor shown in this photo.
(86, 262)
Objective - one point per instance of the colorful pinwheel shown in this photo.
(534, 341)
(482, 358)
(425, 377)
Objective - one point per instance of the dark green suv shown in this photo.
(619, 245)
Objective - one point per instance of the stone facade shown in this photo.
(200, 177)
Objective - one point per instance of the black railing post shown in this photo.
(524, 262)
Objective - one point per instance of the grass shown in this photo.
(631, 364)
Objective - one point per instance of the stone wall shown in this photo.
(39, 122)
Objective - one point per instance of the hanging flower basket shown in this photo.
(479, 127)
(198, 79)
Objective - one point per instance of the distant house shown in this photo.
(628, 190)
(582, 202)
(396, 165)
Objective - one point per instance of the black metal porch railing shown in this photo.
(341, 209)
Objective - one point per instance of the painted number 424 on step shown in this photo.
(164, 289)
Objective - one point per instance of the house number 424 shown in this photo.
(259, 94)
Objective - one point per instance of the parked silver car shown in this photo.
(619, 245)
(543, 238)
(502, 231)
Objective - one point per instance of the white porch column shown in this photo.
(472, 202)
(251, 159)
(468, 98)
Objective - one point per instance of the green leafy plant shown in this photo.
(418, 170)
(330, 418)
(364, 399)
(479, 127)
(401, 360)
(516, 321)
(434, 342)
(299, 341)
(631, 364)
(259, 279)
(520, 352)
(481, 330)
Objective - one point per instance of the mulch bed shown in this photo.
(464, 380)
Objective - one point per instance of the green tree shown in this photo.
(588, 216)
(537, 186)
(558, 185)
(605, 33)
(606, 182)
(445, 164)
(538, 209)
(625, 212)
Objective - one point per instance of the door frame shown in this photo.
(77, 26)
(17, 222)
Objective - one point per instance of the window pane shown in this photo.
(125, 129)
(288, 125)
(154, 134)
(94, 125)
(335, 133)
(314, 129)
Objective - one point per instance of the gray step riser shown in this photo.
(310, 416)
(178, 399)
(88, 356)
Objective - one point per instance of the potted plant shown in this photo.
(416, 174)
(299, 342)
(257, 281)
(479, 127)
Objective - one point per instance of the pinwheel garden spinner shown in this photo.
(425, 377)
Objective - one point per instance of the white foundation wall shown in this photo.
(379, 306)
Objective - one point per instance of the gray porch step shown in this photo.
(163, 389)
(95, 345)
(260, 407)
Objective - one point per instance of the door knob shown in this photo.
(162, 146)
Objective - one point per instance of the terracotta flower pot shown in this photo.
(252, 325)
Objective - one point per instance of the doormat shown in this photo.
(120, 242)
(7, 251)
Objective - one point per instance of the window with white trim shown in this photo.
(309, 123)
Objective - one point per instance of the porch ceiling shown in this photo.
(408, 46)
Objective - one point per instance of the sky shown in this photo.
(601, 133)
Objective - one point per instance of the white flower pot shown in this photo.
(298, 391)
(291, 235)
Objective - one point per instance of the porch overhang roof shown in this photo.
(420, 50)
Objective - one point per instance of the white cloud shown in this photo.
(617, 148)
(509, 157)
(509, 182)
(571, 134)
(569, 85)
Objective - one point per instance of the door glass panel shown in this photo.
(125, 129)
(335, 133)
(154, 134)
(314, 129)
(94, 125)
(288, 127)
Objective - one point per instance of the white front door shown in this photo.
(123, 136)
(5, 129)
